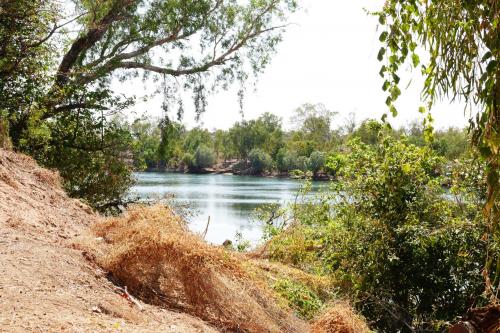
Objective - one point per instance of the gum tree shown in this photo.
(196, 45)
(461, 42)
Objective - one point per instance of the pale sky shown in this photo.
(328, 56)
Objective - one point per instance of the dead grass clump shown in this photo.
(339, 318)
(7, 179)
(149, 251)
(48, 177)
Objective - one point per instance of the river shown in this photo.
(228, 200)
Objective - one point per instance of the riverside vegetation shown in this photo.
(408, 231)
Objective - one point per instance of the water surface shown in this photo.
(228, 200)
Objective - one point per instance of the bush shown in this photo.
(316, 161)
(300, 163)
(302, 299)
(334, 163)
(281, 160)
(259, 160)
(188, 160)
(204, 157)
(411, 257)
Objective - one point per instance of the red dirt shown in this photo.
(46, 284)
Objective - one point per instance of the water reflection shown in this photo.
(228, 200)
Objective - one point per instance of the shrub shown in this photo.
(334, 163)
(300, 163)
(281, 160)
(204, 157)
(410, 256)
(316, 161)
(259, 160)
(302, 299)
(188, 160)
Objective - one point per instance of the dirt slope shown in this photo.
(46, 285)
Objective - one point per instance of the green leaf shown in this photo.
(415, 60)
(382, 71)
(395, 93)
(486, 56)
(393, 110)
(386, 85)
(491, 66)
(383, 36)
(381, 53)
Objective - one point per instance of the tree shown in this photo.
(463, 43)
(122, 39)
(170, 143)
(389, 235)
(259, 160)
(264, 132)
(196, 138)
(203, 157)
(316, 161)
(315, 121)
(146, 140)
(368, 131)
(26, 51)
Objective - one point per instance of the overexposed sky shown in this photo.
(328, 56)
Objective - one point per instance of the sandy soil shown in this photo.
(46, 283)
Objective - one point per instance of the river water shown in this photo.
(228, 200)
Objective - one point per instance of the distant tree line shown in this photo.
(263, 146)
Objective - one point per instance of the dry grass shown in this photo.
(149, 251)
(339, 318)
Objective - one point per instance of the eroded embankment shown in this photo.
(46, 285)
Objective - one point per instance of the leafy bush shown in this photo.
(316, 161)
(305, 302)
(188, 160)
(300, 163)
(334, 163)
(259, 160)
(204, 157)
(282, 160)
(410, 256)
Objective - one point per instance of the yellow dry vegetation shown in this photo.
(149, 250)
(339, 318)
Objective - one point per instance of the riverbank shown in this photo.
(222, 169)
(65, 268)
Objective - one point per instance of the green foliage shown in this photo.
(259, 160)
(300, 298)
(241, 244)
(368, 132)
(334, 163)
(316, 161)
(188, 160)
(314, 120)
(204, 157)
(146, 141)
(461, 40)
(410, 256)
(90, 156)
(56, 81)
(196, 138)
(264, 133)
